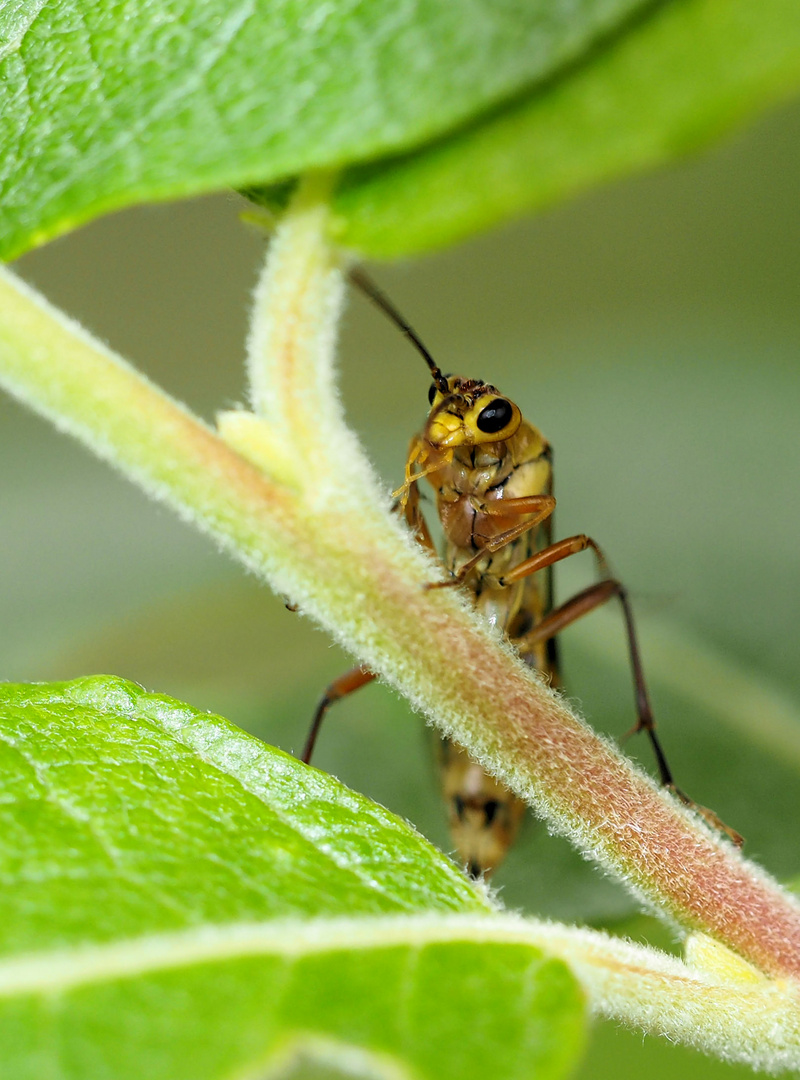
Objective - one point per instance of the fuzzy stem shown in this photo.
(309, 517)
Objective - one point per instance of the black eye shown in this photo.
(432, 393)
(495, 416)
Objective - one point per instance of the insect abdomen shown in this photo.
(484, 815)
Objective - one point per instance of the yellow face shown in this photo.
(471, 413)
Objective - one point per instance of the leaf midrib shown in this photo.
(62, 970)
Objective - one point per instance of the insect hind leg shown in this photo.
(346, 684)
(581, 604)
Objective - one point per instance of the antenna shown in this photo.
(358, 278)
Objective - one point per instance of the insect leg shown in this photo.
(346, 684)
(415, 519)
(539, 506)
(584, 602)
(359, 676)
(581, 604)
(587, 600)
(561, 549)
(419, 464)
(575, 608)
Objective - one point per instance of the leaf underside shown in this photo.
(447, 116)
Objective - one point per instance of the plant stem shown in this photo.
(306, 513)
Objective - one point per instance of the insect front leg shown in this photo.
(540, 507)
(414, 518)
(419, 453)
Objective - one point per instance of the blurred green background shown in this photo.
(650, 329)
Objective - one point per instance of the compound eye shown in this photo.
(495, 416)
(432, 393)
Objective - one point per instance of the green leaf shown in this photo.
(103, 781)
(448, 115)
(181, 901)
(673, 81)
(105, 105)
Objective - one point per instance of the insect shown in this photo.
(492, 474)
